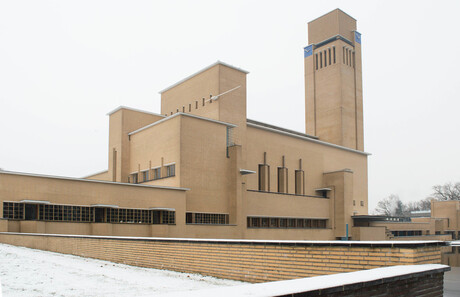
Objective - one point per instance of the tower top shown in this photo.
(331, 24)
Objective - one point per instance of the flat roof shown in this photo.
(280, 128)
(184, 114)
(134, 109)
(337, 9)
(97, 173)
(350, 243)
(91, 180)
(283, 131)
(203, 70)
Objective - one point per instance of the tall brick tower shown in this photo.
(333, 80)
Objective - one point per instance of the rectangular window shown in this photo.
(171, 170)
(333, 50)
(134, 178)
(362, 203)
(164, 217)
(283, 223)
(274, 223)
(329, 51)
(157, 173)
(145, 175)
(316, 62)
(13, 210)
(321, 60)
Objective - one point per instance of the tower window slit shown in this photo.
(320, 60)
(346, 56)
(354, 60)
(333, 50)
(325, 58)
(329, 50)
(316, 63)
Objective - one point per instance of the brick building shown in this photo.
(200, 168)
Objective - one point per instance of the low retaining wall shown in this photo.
(245, 260)
(413, 280)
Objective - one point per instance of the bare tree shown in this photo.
(424, 204)
(448, 191)
(390, 206)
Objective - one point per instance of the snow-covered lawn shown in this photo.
(29, 272)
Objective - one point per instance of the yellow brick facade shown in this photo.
(245, 261)
(194, 169)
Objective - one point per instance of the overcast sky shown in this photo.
(65, 64)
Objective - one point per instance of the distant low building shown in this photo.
(442, 223)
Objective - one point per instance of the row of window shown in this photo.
(327, 57)
(195, 106)
(206, 218)
(140, 216)
(407, 233)
(273, 222)
(283, 180)
(154, 174)
(348, 57)
(85, 214)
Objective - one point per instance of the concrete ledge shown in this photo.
(329, 284)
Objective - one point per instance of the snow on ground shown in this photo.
(29, 272)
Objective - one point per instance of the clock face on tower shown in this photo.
(308, 51)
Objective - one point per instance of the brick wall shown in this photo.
(245, 260)
(409, 280)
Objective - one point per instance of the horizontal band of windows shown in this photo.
(153, 174)
(280, 223)
(206, 218)
(85, 214)
(407, 233)
(141, 182)
(289, 194)
(217, 225)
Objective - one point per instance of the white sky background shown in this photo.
(65, 64)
